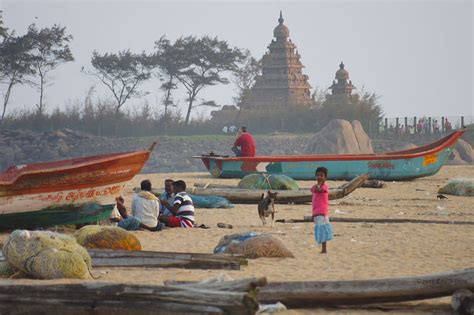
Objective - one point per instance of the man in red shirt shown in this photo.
(245, 142)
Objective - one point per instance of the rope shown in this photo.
(207, 185)
(266, 179)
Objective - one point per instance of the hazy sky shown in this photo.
(417, 55)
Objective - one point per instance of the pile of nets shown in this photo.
(252, 245)
(45, 255)
(459, 187)
(266, 182)
(211, 202)
(110, 237)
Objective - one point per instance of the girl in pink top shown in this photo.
(322, 227)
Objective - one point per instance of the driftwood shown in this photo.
(373, 183)
(307, 293)
(230, 297)
(253, 196)
(123, 258)
(366, 220)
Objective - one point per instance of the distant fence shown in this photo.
(424, 125)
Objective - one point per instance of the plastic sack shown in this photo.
(459, 187)
(211, 202)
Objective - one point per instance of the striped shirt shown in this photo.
(186, 209)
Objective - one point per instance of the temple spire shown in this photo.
(281, 20)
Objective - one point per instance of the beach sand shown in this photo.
(358, 250)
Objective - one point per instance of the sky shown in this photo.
(416, 55)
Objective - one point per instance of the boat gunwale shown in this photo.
(96, 159)
(393, 155)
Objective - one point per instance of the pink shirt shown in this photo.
(320, 200)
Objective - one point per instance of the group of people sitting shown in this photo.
(174, 208)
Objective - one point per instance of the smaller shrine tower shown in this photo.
(342, 89)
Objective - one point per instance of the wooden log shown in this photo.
(123, 258)
(310, 293)
(230, 297)
(373, 183)
(376, 220)
(253, 196)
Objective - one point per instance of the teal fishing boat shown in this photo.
(397, 165)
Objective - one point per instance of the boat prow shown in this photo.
(66, 192)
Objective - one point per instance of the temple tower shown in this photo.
(342, 89)
(282, 82)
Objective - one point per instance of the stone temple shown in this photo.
(282, 82)
(341, 88)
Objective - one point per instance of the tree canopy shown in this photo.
(50, 48)
(206, 60)
(121, 73)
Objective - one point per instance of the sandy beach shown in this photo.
(358, 251)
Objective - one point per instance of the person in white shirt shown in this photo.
(146, 206)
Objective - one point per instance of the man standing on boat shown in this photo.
(244, 145)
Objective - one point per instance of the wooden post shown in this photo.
(397, 123)
(429, 125)
(407, 128)
(386, 124)
(442, 125)
(414, 124)
(462, 122)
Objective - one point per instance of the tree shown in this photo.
(245, 74)
(121, 73)
(50, 49)
(3, 29)
(15, 64)
(365, 108)
(207, 58)
(168, 59)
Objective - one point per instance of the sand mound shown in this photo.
(111, 237)
(46, 255)
(252, 245)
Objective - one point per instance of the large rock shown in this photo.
(455, 158)
(465, 151)
(340, 137)
(365, 144)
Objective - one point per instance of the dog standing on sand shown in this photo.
(266, 206)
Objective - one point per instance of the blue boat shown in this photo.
(397, 165)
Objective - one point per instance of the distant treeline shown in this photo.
(189, 63)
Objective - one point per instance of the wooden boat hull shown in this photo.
(65, 192)
(253, 196)
(400, 165)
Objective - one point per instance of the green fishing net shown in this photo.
(267, 181)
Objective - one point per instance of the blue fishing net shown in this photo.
(211, 202)
(233, 238)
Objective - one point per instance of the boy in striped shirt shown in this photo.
(182, 208)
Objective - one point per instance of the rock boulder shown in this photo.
(340, 137)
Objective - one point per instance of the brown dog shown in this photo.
(266, 206)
